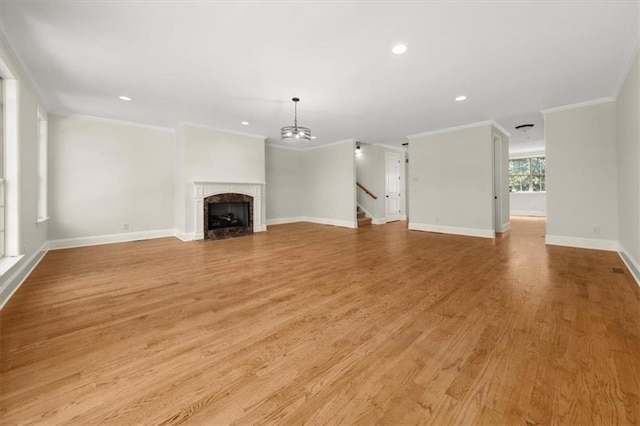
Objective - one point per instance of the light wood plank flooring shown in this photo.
(323, 325)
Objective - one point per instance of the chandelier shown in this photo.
(295, 133)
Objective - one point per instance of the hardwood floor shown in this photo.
(322, 325)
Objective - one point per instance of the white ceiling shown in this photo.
(220, 63)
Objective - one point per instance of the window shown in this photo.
(42, 167)
(527, 175)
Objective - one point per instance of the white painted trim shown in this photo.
(110, 239)
(380, 221)
(283, 220)
(217, 129)
(308, 147)
(400, 150)
(333, 222)
(403, 217)
(531, 213)
(578, 105)
(450, 129)
(22, 273)
(587, 243)
(229, 183)
(505, 227)
(184, 236)
(114, 121)
(353, 141)
(456, 230)
(632, 264)
(8, 262)
(290, 148)
(501, 129)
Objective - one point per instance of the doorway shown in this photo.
(392, 162)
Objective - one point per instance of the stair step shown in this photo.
(364, 221)
(361, 215)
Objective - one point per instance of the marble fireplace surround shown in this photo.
(202, 190)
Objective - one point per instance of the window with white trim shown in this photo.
(527, 175)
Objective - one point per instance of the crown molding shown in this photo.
(501, 129)
(217, 129)
(114, 121)
(462, 127)
(578, 105)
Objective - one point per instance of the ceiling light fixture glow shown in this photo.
(244, 123)
(295, 134)
(399, 49)
(124, 98)
(461, 98)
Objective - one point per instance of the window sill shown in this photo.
(6, 263)
(42, 219)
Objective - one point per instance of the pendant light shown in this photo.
(295, 134)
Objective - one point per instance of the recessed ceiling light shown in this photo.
(461, 98)
(124, 98)
(313, 137)
(399, 49)
(244, 123)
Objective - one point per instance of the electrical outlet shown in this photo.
(125, 226)
(416, 179)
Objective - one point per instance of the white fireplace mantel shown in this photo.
(202, 190)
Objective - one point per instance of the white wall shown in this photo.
(628, 143)
(30, 236)
(451, 181)
(106, 174)
(370, 172)
(582, 202)
(330, 184)
(285, 190)
(213, 155)
(528, 204)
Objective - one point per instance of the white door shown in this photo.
(392, 163)
(497, 185)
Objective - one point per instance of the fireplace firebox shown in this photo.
(227, 215)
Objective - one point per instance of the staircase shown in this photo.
(362, 219)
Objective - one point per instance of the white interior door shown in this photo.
(392, 163)
(497, 185)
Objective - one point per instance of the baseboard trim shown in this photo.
(110, 239)
(505, 227)
(332, 222)
(284, 220)
(532, 213)
(403, 217)
(184, 236)
(455, 230)
(632, 264)
(380, 221)
(13, 283)
(587, 243)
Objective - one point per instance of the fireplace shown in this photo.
(227, 215)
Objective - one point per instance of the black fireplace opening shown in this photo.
(228, 215)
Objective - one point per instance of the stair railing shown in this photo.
(369, 193)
